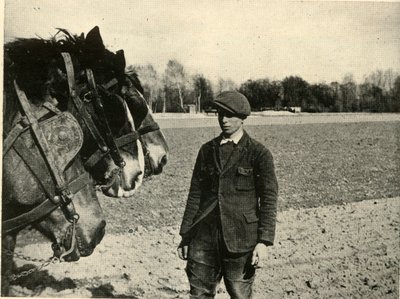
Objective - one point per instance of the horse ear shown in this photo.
(120, 60)
(94, 40)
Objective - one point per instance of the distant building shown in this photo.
(191, 108)
(294, 109)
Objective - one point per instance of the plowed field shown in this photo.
(338, 222)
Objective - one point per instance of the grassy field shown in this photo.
(316, 165)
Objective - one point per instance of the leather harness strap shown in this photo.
(35, 214)
(153, 126)
(69, 67)
(44, 208)
(103, 149)
(110, 84)
(37, 166)
(142, 130)
(114, 151)
(43, 167)
(127, 139)
(147, 129)
(15, 132)
(42, 142)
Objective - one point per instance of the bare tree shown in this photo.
(348, 90)
(176, 79)
(226, 84)
(382, 79)
(202, 91)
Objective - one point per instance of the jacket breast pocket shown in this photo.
(244, 179)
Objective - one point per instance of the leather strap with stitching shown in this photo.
(84, 114)
(114, 151)
(42, 142)
(43, 209)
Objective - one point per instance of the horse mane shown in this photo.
(28, 61)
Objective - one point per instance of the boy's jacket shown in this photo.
(245, 190)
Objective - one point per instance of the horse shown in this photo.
(87, 54)
(153, 140)
(44, 184)
(43, 199)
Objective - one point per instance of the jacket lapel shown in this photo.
(214, 149)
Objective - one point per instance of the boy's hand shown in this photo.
(259, 255)
(183, 252)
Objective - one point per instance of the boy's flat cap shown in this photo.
(233, 102)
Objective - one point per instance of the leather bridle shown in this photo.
(151, 126)
(142, 130)
(106, 143)
(64, 191)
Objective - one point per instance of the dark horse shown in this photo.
(40, 171)
(153, 141)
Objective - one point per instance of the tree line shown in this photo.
(176, 90)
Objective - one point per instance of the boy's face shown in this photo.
(229, 123)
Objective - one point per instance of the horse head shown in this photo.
(153, 141)
(108, 71)
(44, 184)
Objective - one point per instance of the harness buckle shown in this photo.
(88, 97)
(24, 122)
(65, 196)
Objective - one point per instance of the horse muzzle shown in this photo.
(153, 167)
(74, 245)
(124, 183)
(67, 250)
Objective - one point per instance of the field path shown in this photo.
(339, 251)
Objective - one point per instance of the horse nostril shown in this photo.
(102, 224)
(163, 160)
(100, 232)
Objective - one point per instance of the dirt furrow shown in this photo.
(338, 251)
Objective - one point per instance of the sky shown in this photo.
(319, 41)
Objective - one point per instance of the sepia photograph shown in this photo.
(200, 149)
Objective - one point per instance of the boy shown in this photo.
(230, 213)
